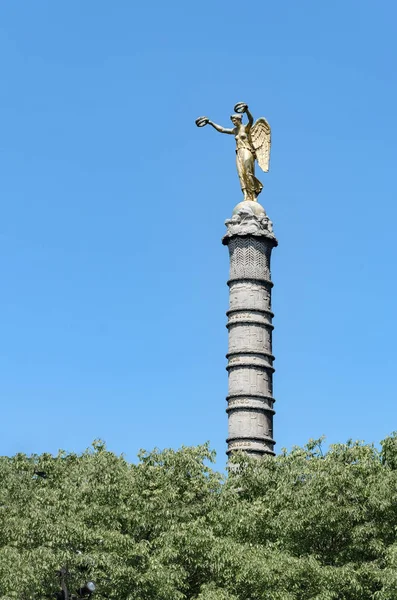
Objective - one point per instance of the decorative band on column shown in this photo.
(249, 404)
(242, 310)
(261, 397)
(249, 258)
(244, 360)
(244, 318)
(259, 280)
(256, 446)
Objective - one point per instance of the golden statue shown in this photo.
(252, 142)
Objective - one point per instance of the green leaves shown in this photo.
(305, 525)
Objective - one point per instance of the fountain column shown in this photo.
(250, 240)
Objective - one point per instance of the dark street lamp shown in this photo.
(84, 592)
(87, 589)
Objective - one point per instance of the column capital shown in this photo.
(249, 219)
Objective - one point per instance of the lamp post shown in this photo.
(84, 592)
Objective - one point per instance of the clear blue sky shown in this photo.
(113, 276)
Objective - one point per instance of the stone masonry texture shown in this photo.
(250, 240)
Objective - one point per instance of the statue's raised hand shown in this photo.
(241, 107)
(201, 121)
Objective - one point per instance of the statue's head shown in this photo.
(236, 119)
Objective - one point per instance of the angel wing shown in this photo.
(261, 140)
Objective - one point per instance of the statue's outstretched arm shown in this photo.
(220, 128)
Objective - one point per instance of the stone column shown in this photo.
(250, 240)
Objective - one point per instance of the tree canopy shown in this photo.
(304, 525)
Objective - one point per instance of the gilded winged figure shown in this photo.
(253, 142)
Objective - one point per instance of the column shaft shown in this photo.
(250, 359)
